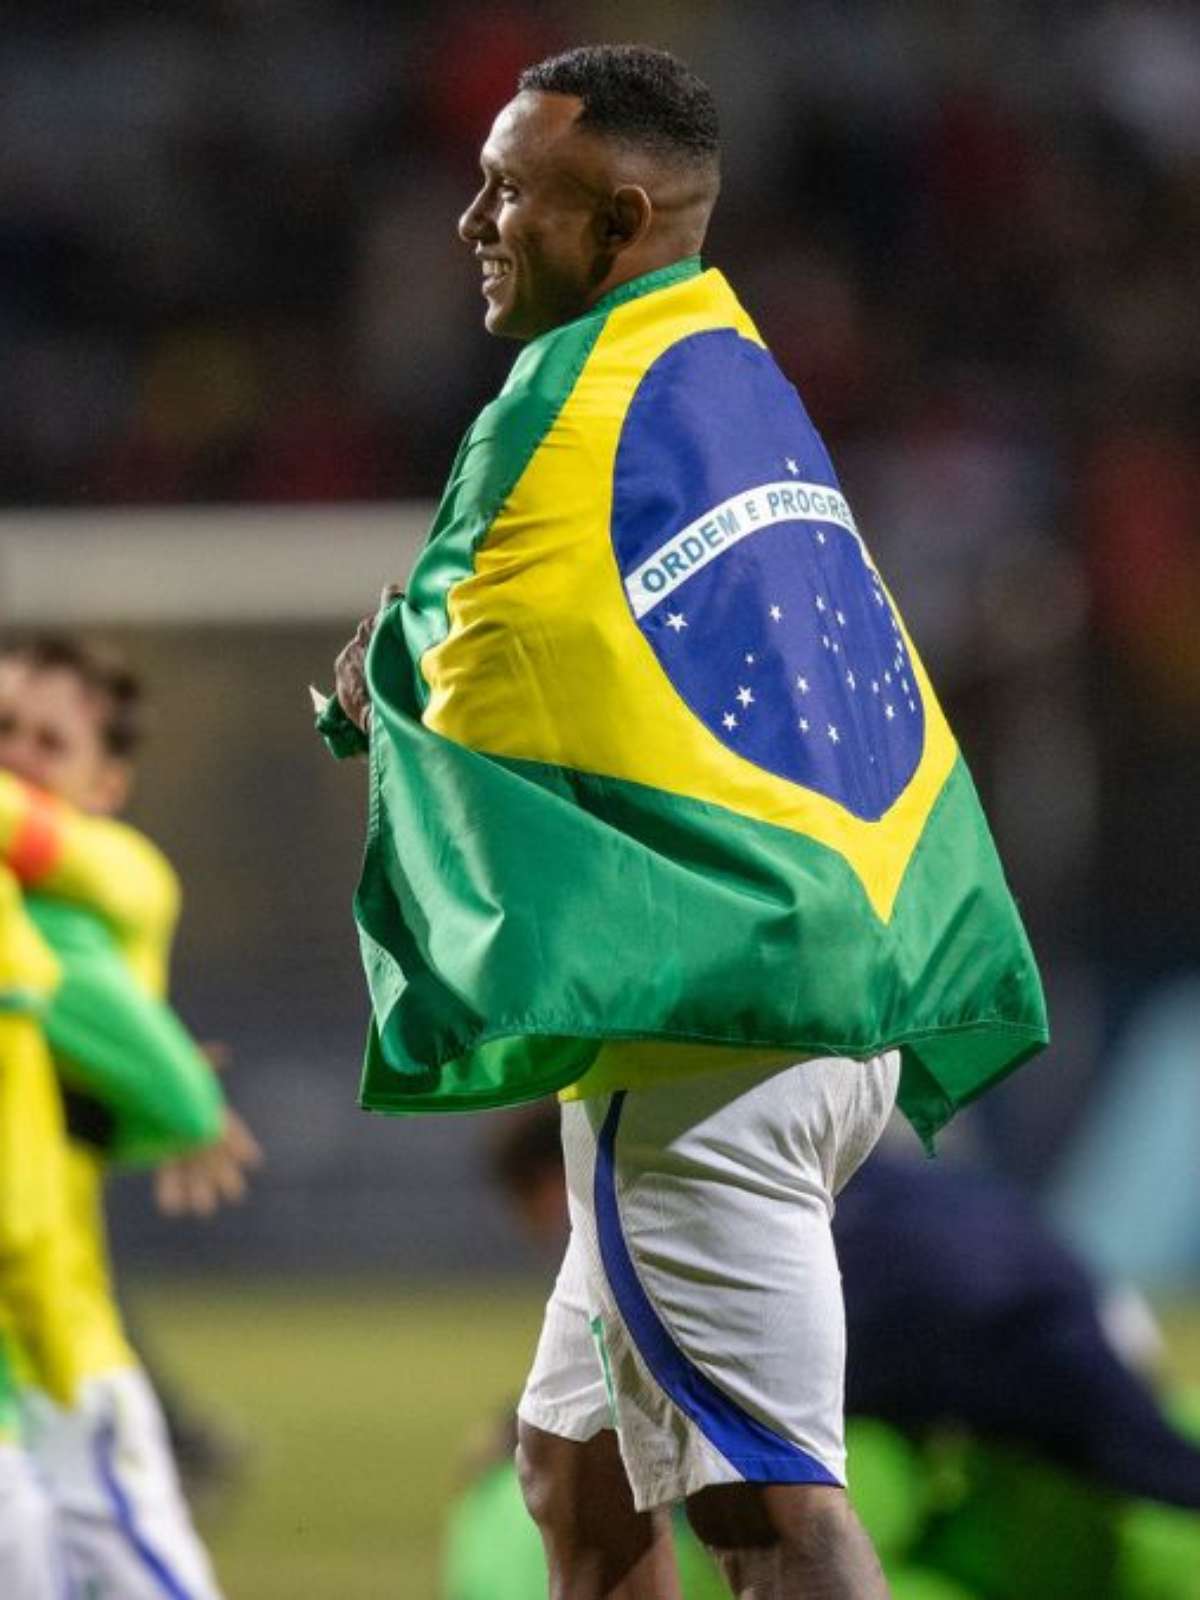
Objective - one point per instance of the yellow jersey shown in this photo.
(115, 871)
(35, 1249)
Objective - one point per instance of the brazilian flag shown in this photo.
(658, 781)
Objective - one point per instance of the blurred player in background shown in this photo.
(33, 1264)
(136, 1090)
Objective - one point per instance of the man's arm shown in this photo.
(123, 1047)
(91, 861)
(32, 1154)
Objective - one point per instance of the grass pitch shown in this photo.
(358, 1402)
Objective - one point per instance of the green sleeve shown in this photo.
(123, 1047)
(10, 1415)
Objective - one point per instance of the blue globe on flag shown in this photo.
(747, 576)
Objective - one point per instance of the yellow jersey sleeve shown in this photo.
(34, 1264)
(98, 862)
(28, 972)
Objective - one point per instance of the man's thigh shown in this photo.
(567, 1393)
(700, 1214)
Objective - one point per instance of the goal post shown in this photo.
(203, 566)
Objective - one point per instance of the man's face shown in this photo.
(535, 223)
(51, 735)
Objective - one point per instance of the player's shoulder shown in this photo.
(159, 878)
(28, 971)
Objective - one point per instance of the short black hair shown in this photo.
(638, 95)
(102, 672)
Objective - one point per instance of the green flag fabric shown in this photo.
(658, 780)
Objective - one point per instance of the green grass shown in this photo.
(358, 1401)
(1181, 1326)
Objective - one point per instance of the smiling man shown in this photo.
(567, 213)
(666, 818)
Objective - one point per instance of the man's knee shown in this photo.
(571, 1478)
(536, 1460)
(814, 1520)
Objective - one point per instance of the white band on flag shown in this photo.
(712, 533)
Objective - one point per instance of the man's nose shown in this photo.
(475, 222)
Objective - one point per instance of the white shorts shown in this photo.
(699, 1306)
(31, 1565)
(124, 1525)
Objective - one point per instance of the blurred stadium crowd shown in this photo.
(229, 273)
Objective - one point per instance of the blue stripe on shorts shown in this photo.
(759, 1453)
(166, 1580)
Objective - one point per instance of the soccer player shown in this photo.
(136, 1089)
(32, 1248)
(665, 816)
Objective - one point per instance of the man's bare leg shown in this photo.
(597, 1546)
(787, 1541)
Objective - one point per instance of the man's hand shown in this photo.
(349, 670)
(350, 678)
(199, 1184)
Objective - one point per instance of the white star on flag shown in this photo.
(863, 707)
(820, 537)
(676, 620)
(792, 467)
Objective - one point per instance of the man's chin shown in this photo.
(503, 323)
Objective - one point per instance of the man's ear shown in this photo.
(630, 213)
